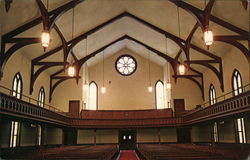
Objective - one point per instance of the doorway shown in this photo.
(127, 139)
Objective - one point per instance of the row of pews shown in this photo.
(192, 152)
(83, 152)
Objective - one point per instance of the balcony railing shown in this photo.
(12, 106)
(28, 99)
(225, 106)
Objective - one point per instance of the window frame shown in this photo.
(212, 92)
(215, 132)
(240, 133)
(126, 55)
(13, 135)
(93, 82)
(19, 81)
(156, 107)
(235, 75)
(41, 96)
(39, 135)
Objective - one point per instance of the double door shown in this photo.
(127, 139)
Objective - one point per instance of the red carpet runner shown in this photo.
(128, 155)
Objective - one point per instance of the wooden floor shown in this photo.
(192, 152)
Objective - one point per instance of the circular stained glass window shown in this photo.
(125, 65)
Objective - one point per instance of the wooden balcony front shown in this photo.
(11, 106)
(232, 106)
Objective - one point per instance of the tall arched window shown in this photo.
(92, 96)
(237, 83)
(159, 93)
(240, 130)
(41, 97)
(17, 86)
(212, 95)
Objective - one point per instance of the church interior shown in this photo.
(125, 79)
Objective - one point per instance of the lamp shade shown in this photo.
(45, 39)
(150, 89)
(71, 71)
(182, 69)
(208, 37)
(168, 85)
(103, 90)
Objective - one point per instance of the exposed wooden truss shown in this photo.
(202, 17)
(21, 42)
(79, 63)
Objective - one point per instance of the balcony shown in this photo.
(13, 107)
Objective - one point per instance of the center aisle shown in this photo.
(128, 155)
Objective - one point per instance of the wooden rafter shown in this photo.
(79, 63)
(203, 18)
(21, 42)
(184, 44)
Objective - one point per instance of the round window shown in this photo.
(125, 65)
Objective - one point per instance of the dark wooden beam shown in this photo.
(230, 40)
(5, 56)
(7, 5)
(45, 66)
(79, 63)
(192, 78)
(244, 4)
(218, 73)
(196, 11)
(59, 10)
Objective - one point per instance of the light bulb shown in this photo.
(182, 69)
(45, 39)
(168, 85)
(208, 36)
(103, 90)
(150, 89)
(71, 71)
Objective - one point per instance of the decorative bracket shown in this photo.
(8, 4)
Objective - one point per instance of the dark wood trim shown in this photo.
(196, 11)
(7, 5)
(28, 25)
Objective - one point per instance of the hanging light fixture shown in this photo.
(208, 34)
(168, 85)
(103, 89)
(85, 85)
(182, 69)
(71, 71)
(71, 68)
(181, 66)
(150, 88)
(45, 38)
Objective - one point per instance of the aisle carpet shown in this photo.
(128, 155)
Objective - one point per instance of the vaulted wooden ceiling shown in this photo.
(109, 25)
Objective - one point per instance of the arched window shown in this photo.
(92, 96)
(212, 95)
(159, 92)
(41, 97)
(240, 130)
(237, 83)
(14, 134)
(17, 86)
